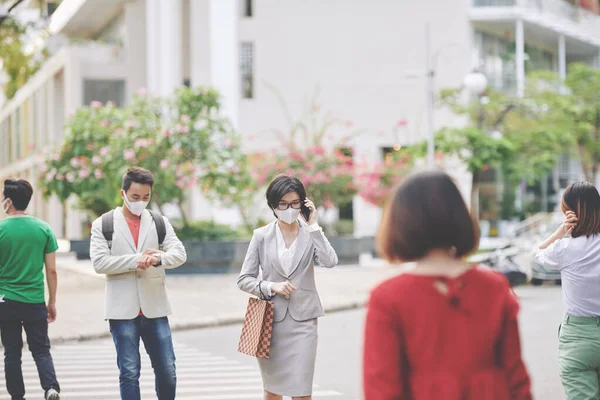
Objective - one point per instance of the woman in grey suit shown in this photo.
(284, 251)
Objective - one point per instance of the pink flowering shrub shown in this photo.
(80, 165)
(312, 155)
(183, 140)
(377, 180)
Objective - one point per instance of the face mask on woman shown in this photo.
(288, 216)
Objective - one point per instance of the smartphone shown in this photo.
(305, 211)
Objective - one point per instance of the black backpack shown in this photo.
(108, 227)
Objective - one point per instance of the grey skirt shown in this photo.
(290, 369)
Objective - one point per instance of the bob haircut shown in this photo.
(426, 212)
(282, 185)
(583, 199)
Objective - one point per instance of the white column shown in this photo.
(562, 58)
(153, 29)
(171, 46)
(136, 40)
(520, 57)
(224, 55)
(72, 83)
(200, 42)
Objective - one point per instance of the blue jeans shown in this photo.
(156, 335)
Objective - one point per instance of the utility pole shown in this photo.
(429, 98)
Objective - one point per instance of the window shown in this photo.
(51, 7)
(247, 8)
(247, 70)
(104, 91)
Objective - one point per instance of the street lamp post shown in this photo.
(475, 82)
(429, 100)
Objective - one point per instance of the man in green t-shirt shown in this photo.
(26, 245)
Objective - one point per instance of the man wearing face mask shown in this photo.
(136, 299)
(27, 244)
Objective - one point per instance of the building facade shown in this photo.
(366, 60)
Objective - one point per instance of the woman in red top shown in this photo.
(444, 330)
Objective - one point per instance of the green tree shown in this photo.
(84, 164)
(502, 132)
(182, 150)
(571, 112)
(19, 61)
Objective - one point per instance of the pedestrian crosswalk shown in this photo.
(88, 371)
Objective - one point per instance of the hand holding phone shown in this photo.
(312, 212)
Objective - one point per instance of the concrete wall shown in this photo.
(356, 55)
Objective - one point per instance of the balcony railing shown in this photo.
(495, 3)
(559, 8)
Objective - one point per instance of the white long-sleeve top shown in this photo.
(286, 255)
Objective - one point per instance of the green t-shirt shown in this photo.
(24, 241)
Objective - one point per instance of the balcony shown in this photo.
(552, 16)
(559, 8)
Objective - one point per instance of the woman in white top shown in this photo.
(284, 252)
(577, 257)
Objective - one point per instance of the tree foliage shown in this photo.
(18, 59)
(571, 112)
(182, 151)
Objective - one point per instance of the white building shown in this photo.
(360, 54)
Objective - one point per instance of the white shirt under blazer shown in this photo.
(264, 254)
(129, 290)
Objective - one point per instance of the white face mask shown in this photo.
(5, 205)
(288, 216)
(136, 207)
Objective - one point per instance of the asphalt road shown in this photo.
(340, 341)
(210, 368)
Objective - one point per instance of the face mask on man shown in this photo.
(5, 205)
(288, 216)
(136, 207)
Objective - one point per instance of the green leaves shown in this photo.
(474, 147)
(572, 114)
(183, 140)
(18, 62)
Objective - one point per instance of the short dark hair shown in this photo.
(282, 185)
(137, 175)
(583, 199)
(19, 191)
(426, 212)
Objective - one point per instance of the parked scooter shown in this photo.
(502, 260)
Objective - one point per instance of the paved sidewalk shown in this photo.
(196, 300)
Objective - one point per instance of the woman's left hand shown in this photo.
(313, 212)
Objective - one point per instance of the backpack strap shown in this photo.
(161, 229)
(108, 227)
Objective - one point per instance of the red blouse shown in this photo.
(422, 344)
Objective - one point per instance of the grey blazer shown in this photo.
(304, 303)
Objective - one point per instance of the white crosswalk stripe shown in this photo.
(88, 371)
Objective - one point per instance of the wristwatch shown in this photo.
(159, 263)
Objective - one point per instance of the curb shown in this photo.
(209, 323)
